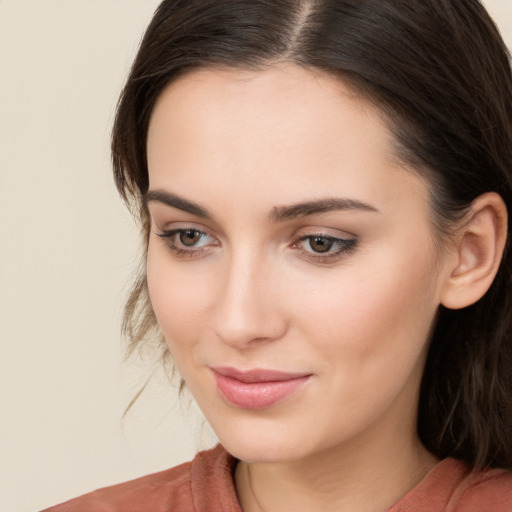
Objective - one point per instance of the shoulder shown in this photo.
(452, 487)
(205, 481)
(489, 490)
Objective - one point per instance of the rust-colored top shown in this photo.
(206, 485)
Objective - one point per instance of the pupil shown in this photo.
(321, 244)
(190, 237)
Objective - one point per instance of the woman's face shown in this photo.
(292, 263)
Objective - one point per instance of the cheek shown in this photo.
(374, 317)
(368, 334)
(176, 298)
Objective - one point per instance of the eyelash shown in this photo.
(344, 245)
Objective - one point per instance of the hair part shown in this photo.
(440, 73)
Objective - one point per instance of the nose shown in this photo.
(249, 309)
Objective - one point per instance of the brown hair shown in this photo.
(440, 72)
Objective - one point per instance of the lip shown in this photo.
(257, 388)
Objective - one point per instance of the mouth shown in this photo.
(257, 388)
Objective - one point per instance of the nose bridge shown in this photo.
(246, 310)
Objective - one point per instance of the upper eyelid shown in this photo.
(296, 237)
(167, 227)
(343, 236)
(326, 232)
(316, 230)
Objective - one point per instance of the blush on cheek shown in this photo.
(176, 302)
(376, 313)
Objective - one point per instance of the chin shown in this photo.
(263, 440)
(261, 452)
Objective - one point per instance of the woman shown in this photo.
(323, 190)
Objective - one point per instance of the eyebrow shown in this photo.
(283, 213)
(277, 214)
(169, 199)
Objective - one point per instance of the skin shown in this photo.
(251, 292)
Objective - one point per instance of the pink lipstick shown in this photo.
(256, 389)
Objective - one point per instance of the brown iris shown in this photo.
(321, 243)
(190, 237)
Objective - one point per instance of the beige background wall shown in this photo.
(67, 248)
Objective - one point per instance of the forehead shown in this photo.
(283, 129)
(283, 96)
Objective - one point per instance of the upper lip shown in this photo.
(257, 374)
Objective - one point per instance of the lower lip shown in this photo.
(256, 395)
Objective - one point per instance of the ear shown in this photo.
(478, 250)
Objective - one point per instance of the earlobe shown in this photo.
(480, 243)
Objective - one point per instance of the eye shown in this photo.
(324, 248)
(188, 241)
